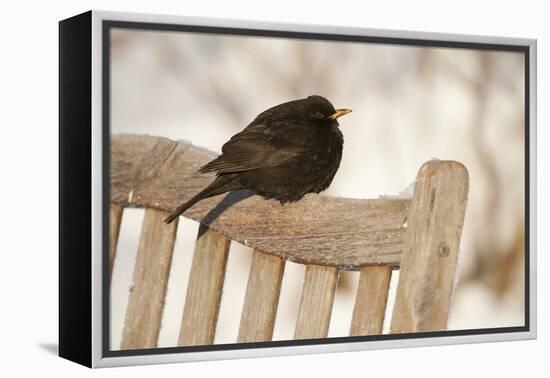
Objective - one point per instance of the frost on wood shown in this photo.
(321, 230)
(432, 243)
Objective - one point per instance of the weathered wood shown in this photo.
(115, 218)
(159, 173)
(204, 290)
(152, 268)
(262, 297)
(371, 299)
(316, 303)
(428, 264)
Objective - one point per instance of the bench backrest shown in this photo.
(418, 235)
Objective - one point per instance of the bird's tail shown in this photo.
(181, 209)
(221, 185)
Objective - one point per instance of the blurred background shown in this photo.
(410, 104)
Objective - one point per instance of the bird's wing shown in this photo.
(253, 148)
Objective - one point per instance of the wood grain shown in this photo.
(316, 303)
(159, 173)
(152, 268)
(432, 243)
(370, 302)
(115, 218)
(262, 298)
(204, 290)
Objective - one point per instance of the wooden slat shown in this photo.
(316, 303)
(115, 218)
(370, 303)
(262, 297)
(159, 173)
(432, 243)
(148, 290)
(204, 291)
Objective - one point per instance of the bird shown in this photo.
(287, 151)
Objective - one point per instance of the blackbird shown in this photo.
(289, 150)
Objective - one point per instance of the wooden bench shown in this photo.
(419, 235)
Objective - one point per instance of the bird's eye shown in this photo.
(318, 115)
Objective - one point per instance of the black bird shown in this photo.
(288, 151)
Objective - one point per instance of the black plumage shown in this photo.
(288, 151)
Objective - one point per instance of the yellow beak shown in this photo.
(339, 113)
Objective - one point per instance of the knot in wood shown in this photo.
(444, 250)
